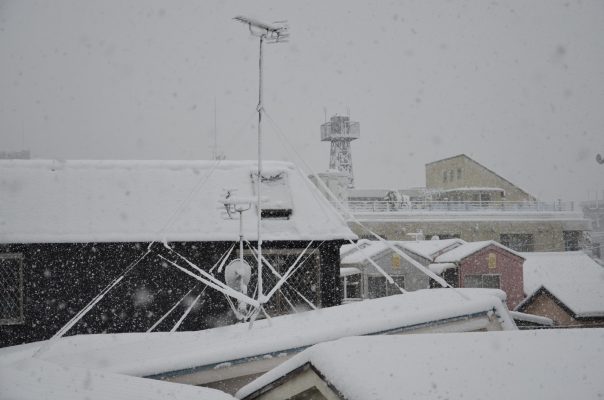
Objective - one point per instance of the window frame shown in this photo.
(512, 240)
(385, 287)
(346, 283)
(279, 304)
(19, 319)
(482, 280)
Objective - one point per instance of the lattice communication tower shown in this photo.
(340, 131)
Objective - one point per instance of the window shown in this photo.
(451, 175)
(571, 240)
(458, 173)
(378, 286)
(444, 176)
(392, 289)
(11, 288)
(517, 241)
(305, 282)
(309, 394)
(482, 281)
(351, 286)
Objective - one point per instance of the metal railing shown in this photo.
(460, 206)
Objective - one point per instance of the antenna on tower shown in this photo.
(340, 131)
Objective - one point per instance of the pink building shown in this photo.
(483, 265)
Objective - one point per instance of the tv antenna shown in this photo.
(271, 34)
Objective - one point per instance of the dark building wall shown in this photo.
(60, 279)
(330, 273)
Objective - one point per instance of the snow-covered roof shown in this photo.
(349, 271)
(32, 378)
(469, 248)
(147, 354)
(429, 248)
(99, 201)
(439, 268)
(357, 254)
(351, 254)
(572, 277)
(535, 319)
(544, 364)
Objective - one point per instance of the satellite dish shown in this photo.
(237, 275)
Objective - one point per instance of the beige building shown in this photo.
(594, 211)
(464, 199)
(460, 178)
(529, 231)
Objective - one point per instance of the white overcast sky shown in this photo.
(517, 85)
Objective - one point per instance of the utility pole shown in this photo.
(270, 34)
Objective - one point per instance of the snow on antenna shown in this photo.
(271, 34)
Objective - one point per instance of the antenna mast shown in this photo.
(215, 148)
(270, 34)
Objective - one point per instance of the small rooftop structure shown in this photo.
(572, 280)
(491, 365)
(462, 174)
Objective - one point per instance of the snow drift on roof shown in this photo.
(351, 254)
(439, 268)
(365, 250)
(145, 354)
(429, 248)
(100, 201)
(574, 278)
(479, 365)
(32, 378)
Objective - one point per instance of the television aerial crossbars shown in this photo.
(271, 33)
